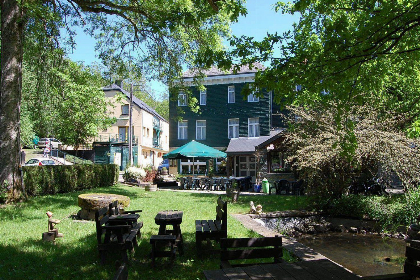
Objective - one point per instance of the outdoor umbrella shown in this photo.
(195, 149)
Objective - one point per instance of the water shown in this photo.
(365, 255)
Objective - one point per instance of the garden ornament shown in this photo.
(52, 232)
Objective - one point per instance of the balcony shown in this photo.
(115, 138)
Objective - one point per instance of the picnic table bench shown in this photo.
(212, 229)
(114, 237)
(268, 249)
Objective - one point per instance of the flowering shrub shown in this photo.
(134, 174)
(150, 175)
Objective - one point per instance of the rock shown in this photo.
(320, 228)
(353, 230)
(311, 229)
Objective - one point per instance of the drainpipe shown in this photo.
(130, 128)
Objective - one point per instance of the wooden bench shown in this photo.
(212, 229)
(268, 249)
(159, 244)
(411, 265)
(116, 238)
(118, 217)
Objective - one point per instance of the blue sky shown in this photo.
(261, 18)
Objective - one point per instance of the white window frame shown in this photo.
(235, 128)
(253, 98)
(182, 130)
(231, 94)
(200, 130)
(253, 127)
(182, 99)
(203, 97)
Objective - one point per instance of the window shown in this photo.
(182, 99)
(231, 94)
(201, 130)
(125, 109)
(123, 133)
(203, 97)
(253, 127)
(253, 98)
(233, 128)
(182, 130)
(276, 162)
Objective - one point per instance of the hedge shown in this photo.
(51, 179)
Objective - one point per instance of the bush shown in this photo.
(389, 211)
(134, 174)
(49, 179)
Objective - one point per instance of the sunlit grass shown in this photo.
(23, 255)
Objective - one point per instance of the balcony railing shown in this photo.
(115, 138)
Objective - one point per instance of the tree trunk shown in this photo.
(10, 94)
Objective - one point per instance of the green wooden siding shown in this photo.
(216, 113)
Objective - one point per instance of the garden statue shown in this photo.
(52, 232)
(252, 209)
(259, 209)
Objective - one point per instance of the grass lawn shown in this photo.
(23, 255)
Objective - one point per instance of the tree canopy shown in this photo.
(345, 51)
(156, 36)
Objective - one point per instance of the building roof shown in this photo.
(214, 71)
(245, 145)
(136, 101)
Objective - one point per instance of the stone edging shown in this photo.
(290, 244)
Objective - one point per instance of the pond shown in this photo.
(365, 255)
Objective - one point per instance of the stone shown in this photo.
(353, 230)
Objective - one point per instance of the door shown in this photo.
(122, 134)
(246, 166)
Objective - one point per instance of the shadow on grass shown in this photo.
(270, 203)
(37, 259)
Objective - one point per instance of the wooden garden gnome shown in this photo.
(259, 209)
(52, 232)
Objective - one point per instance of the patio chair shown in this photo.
(283, 185)
(297, 188)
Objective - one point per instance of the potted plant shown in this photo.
(164, 171)
(149, 179)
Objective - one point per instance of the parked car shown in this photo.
(164, 163)
(40, 161)
(43, 142)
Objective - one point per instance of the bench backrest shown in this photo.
(101, 218)
(114, 208)
(221, 213)
(251, 248)
(413, 256)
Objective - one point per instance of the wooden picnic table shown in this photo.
(303, 270)
(174, 218)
